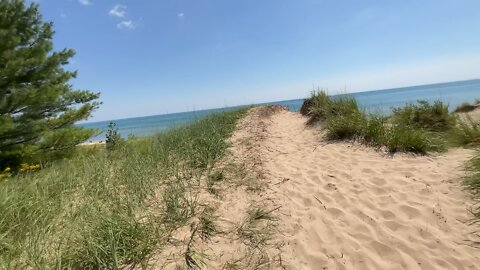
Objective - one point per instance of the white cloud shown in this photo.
(85, 2)
(127, 25)
(181, 15)
(63, 15)
(118, 11)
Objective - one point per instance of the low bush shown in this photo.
(113, 138)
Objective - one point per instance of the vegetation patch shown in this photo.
(418, 128)
(467, 107)
(472, 182)
(111, 209)
(425, 115)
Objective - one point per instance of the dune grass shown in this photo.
(417, 127)
(410, 129)
(424, 115)
(467, 107)
(472, 182)
(110, 209)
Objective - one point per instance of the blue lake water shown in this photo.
(378, 101)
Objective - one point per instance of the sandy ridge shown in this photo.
(336, 205)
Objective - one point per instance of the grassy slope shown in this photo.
(108, 209)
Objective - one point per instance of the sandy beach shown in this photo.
(341, 205)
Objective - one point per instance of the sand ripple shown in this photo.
(350, 207)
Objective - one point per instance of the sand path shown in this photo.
(345, 206)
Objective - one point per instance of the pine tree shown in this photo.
(38, 107)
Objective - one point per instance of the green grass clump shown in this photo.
(323, 107)
(467, 107)
(408, 139)
(344, 120)
(468, 132)
(348, 126)
(472, 183)
(258, 227)
(109, 242)
(109, 209)
(433, 117)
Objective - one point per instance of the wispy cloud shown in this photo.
(85, 2)
(130, 25)
(118, 11)
(181, 15)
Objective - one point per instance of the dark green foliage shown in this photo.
(37, 105)
(113, 138)
(434, 117)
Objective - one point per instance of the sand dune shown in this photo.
(350, 207)
(339, 205)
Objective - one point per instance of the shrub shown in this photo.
(434, 117)
(113, 138)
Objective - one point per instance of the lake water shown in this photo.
(378, 101)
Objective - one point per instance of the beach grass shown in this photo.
(420, 127)
(467, 107)
(110, 209)
(472, 183)
(410, 129)
(425, 115)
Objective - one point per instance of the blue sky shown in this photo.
(156, 56)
